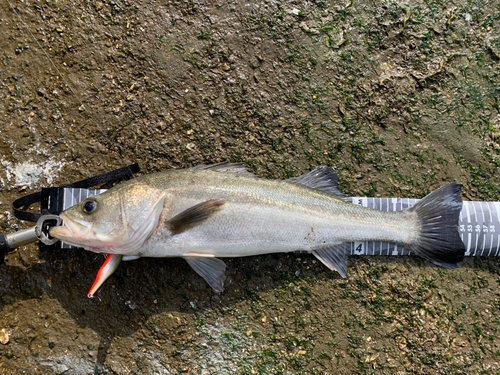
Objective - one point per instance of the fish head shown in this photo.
(118, 221)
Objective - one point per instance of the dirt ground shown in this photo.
(398, 97)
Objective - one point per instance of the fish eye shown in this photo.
(89, 206)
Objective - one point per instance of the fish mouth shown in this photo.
(70, 230)
(79, 233)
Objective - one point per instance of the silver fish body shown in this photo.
(222, 211)
(267, 216)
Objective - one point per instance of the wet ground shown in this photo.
(400, 98)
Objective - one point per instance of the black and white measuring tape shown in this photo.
(479, 227)
(479, 222)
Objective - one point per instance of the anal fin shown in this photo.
(334, 257)
(213, 270)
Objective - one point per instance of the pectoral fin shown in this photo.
(334, 257)
(211, 269)
(194, 215)
(107, 269)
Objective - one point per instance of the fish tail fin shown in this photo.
(438, 214)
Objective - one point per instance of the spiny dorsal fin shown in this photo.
(193, 216)
(225, 167)
(323, 178)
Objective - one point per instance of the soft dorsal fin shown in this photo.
(225, 167)
(194, 215)
(323, 178)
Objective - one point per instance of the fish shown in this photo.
(222, 210)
